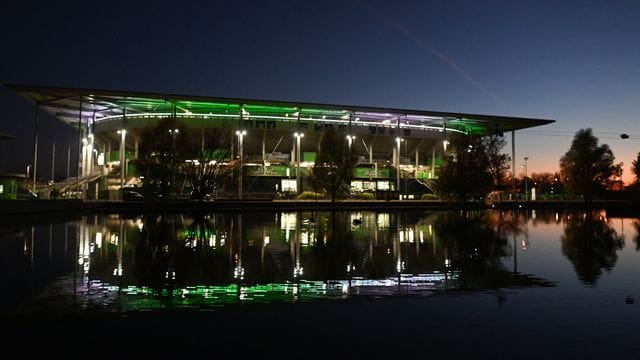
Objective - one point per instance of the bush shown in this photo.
(309, 195)
(429, 196)
(366, 196)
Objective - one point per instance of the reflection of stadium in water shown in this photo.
(214, 259)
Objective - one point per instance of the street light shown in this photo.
(241, 134)
(398, 141)
(298, 135)
(123, 136)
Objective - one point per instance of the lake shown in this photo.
(312, 284)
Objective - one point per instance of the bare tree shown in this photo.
(208, 165)
(334, 165)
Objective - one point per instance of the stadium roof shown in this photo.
(66, 103)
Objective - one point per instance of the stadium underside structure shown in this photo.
(277, 140)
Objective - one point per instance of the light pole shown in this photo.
(123, 136)
(241, 134)
(298, 135)
(526, 181)
(398, 141)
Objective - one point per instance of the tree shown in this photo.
(635, 168)
(334, 165)
(498, 161)
(207, 166)
(547, 184)
(172, 155)
(586, 167)
(466, 172)
(159, 158)
(591, 245)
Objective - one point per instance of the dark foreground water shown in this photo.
(495, 284)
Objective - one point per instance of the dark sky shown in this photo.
(573, 61)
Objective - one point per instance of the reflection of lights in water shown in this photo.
(238, 270)
(212, 240)
(304, 238)
(118, 271)
(401, 233)
(410, 235)
(288, 221)
(383, 220)
(350, 267)
(298, 270)
(243, 293)
(99, 239)
(265, 241)
(113, 239)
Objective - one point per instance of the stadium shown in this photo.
(399, 150)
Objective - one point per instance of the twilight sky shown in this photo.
(576, 62)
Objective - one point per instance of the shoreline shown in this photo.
(33, 207)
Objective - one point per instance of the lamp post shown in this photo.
(398, 141)
(298, 135)
(526, 181)
(123, 136)
(241, 134)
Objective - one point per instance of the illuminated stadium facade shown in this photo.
(278, 140)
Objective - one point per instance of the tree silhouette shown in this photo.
(498, 161)
(590, 244)
(636, 239)
(198, 157)
(334, 165)
(587, 167)
(635, 168)
(207, 166)
(160, 156)
(466, 173)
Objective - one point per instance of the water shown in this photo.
(492, 284)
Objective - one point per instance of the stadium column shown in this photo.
(35, 146)
(415, 172)
(241, 134)
(433, 162)
(264, 153)
(397, 158)
(123, 137)
(298, 135)
(78, 164)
